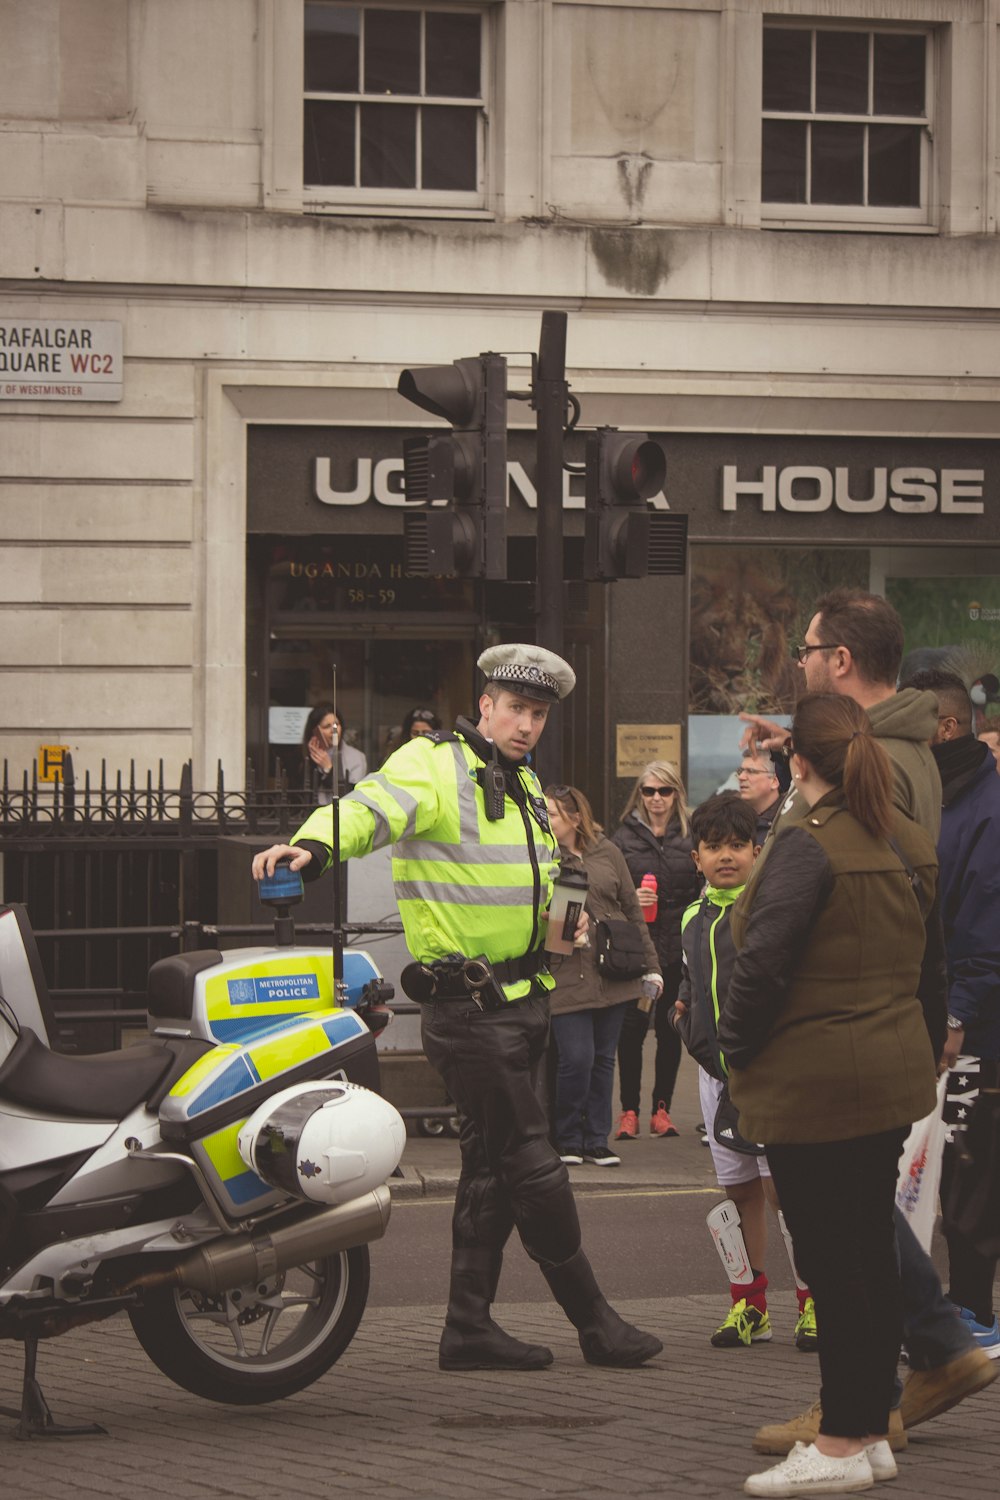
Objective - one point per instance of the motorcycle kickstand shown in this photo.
(35, 1418)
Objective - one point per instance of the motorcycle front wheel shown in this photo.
(259, 1342)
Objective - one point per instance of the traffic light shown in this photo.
(466, 467)
(622, 538)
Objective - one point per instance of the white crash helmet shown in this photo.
(326, 1142)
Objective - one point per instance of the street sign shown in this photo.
(50, 761)
(49, 359)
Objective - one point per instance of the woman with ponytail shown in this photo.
(834, 1017)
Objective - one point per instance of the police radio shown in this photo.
(494, 784)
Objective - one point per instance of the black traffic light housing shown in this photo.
(467, 468)
(622, 538)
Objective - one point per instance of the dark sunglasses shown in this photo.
(563, 794)
(657, 791)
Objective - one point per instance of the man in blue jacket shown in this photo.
(969, 857)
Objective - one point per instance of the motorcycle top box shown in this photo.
(232, 997)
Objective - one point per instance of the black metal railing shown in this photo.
(140, 807)
(118, 874)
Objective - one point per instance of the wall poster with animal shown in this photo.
(750, 607)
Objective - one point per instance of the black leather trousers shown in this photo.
(511, 1175)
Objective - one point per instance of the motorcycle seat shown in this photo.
(103, 1086)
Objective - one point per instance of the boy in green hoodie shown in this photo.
(722, 832)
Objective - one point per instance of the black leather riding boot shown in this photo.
(471, 1340)
(605, 1338)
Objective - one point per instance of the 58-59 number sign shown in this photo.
(371, 598)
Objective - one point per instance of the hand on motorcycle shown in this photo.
(264, 863)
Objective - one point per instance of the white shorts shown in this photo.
(730, 1166)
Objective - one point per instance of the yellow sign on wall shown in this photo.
(638, 744)
(50, 761)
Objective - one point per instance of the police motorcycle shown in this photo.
(218, 1183)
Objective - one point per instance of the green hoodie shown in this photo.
(904, 725)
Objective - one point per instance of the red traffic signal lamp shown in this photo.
(467, 468)
(621, 538)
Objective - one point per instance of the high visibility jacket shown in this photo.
(463, 884)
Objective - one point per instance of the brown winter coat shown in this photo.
(823, 1031)
(610, 894)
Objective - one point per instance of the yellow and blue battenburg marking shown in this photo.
(240, 1000)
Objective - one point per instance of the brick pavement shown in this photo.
(386, 1422)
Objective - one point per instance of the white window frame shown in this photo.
(285, 95)
(846, 216)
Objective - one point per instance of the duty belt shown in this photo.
(456, 977)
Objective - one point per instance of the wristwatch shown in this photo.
(954, 1024)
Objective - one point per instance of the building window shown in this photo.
(394, 103)
(845, 130)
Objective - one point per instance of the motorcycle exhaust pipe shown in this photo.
(258, 1256)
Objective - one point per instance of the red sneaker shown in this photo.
(628, 1126)
(661, 1123)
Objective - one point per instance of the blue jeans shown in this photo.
(585, 1041)
(932, 1332)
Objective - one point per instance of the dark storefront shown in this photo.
(775, 520)
(327, 590)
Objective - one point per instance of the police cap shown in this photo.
(530, 670)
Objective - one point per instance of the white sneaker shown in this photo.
(883, 1465)
(807, 1471)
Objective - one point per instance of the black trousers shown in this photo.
(838, 1199)
(511, 1174)
(668, 1046)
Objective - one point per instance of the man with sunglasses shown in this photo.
(854, 645)
(473, 864)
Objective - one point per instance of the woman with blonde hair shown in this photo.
(585, 1006)
(654, 837)
(831, 1025)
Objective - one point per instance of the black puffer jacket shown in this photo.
(678, 882)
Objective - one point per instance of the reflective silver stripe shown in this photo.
(464, 895)
(468, 814)
(468, 854)
(405, 801)
(383, 833)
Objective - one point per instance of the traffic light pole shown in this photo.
(549, 399)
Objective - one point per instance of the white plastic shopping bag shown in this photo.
(920, 1170)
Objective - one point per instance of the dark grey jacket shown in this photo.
(678, 882)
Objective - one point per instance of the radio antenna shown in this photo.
(338, 881)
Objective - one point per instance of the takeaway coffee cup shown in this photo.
(568, 896)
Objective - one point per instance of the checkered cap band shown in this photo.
(532, 677)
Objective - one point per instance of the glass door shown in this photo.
(374, 680)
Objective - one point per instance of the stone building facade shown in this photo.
(772, 223)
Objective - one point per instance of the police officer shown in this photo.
(473, 863)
